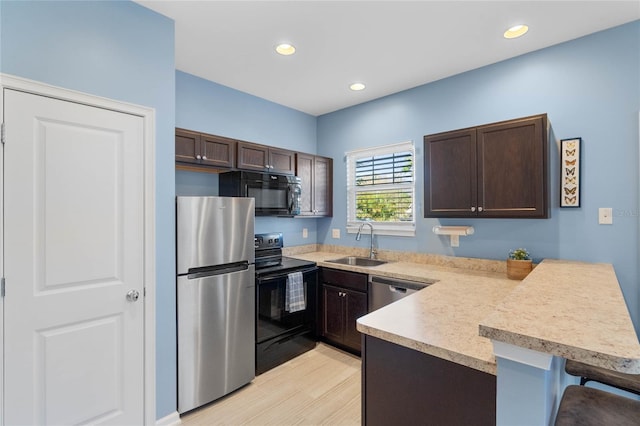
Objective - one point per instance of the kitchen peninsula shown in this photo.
(562, 309)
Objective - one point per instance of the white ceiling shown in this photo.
(389, 45)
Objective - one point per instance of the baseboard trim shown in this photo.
(170, 420)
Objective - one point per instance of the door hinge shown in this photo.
(2, 135)
(2, 287)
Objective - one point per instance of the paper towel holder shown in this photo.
(454, 232)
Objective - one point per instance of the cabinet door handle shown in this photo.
(204, 157)
(479, 209)
(198, 157)
(473, 209)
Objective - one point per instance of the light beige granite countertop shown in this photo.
(440, 320)
(569, 309)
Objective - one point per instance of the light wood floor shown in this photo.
(320, 387)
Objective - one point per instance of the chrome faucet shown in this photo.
(372, 252)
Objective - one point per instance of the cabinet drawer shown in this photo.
(346, 279)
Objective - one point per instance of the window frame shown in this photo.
(407, 228)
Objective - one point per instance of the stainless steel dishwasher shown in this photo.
(384, 290)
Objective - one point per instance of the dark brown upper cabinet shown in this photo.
(201, 149)
(265, 158)
(497, 170)
(316, 174)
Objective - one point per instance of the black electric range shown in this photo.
(282, 333)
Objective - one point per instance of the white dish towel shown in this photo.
(294, 294)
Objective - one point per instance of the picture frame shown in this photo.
(570, 156)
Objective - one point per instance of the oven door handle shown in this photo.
(262, 280)
(266, 280)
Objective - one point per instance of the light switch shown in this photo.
(605, 216)
(335, 233)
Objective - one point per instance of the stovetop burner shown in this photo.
(287, 264)
(269, 259)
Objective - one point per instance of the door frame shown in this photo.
(149, 267)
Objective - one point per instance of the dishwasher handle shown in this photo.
(396, 289)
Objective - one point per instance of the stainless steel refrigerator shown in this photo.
(215, 297)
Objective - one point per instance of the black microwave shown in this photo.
(275, 194)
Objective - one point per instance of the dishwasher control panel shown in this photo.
(385, 290)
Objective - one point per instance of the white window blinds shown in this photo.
(381, 188)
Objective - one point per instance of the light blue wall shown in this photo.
(209, 107)
(121, 51)
(590, 87)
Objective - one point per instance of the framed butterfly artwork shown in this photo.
(570, 172)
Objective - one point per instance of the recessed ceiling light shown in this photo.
(285, 49)
(516, 31)
(357, 86)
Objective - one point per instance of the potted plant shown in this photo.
(519, 264)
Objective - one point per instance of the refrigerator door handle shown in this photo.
(208, 271)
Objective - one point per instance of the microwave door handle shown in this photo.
(290, 199)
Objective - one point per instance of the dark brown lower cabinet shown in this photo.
(342, 307)
(344, 300)
(401, 386)
(333, 315)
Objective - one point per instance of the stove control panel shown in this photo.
(268, 241)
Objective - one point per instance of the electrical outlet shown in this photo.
(605, 216)
(305, 233)
(335, 233)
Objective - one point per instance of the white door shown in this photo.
(73, 248)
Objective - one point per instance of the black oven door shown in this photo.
(280, 334)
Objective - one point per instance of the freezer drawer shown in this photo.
(216, 336)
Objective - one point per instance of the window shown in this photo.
(381, 189)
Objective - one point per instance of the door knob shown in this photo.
(133, 295)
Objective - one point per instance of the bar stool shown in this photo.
(584, 406)
(627, 382)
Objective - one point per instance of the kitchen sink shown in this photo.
(357, 261)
